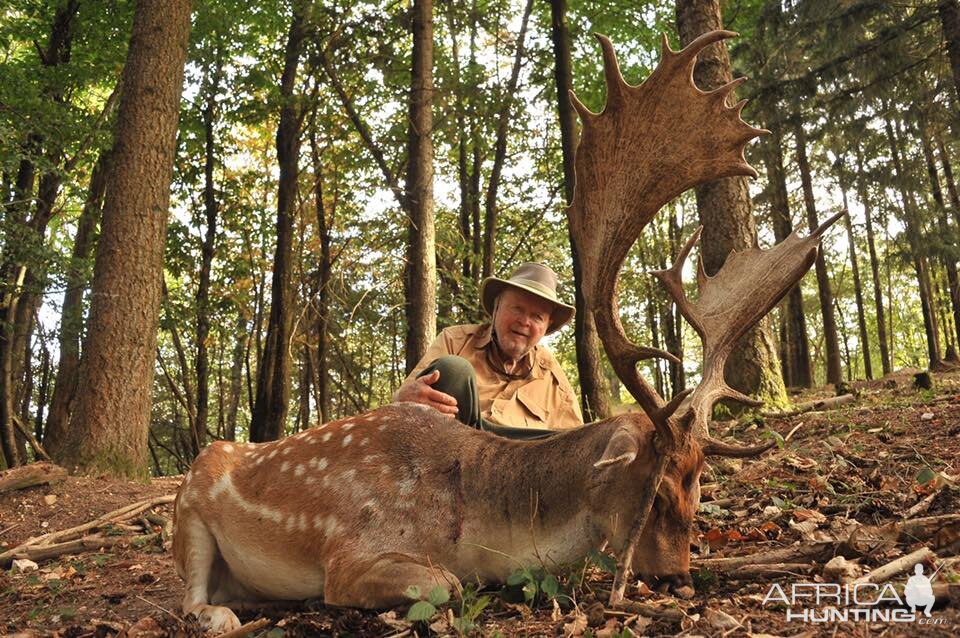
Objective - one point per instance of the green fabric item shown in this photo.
(458, 379)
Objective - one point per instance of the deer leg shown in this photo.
(200, 555)
(380, 582)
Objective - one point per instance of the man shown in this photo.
(495, 376)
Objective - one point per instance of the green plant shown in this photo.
(424, 610)
(535, 583)
(703, 579)
(471, 606)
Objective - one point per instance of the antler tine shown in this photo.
(822, 228)
(672, 280)
(688, 55)
(720, 95)
(748, 285)
(611, 72)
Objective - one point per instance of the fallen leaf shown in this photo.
(720, 619)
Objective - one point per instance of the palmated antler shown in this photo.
(649, 144)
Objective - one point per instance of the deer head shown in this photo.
(650, 143)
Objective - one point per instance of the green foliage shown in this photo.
(534, 583)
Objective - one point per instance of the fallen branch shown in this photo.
(922, 506)
(117, 516)
(898, 566)
(646, 609)
(28, 435)
(243, 630)
(822, 404)
(815, 552)
(763, 572)
(921, 529)
(25, 476)
(40, 553)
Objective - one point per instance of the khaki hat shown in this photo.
(536, 279)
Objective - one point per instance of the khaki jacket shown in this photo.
(544, 399)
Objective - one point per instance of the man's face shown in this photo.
(520, 321)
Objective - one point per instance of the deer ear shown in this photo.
(621, 448)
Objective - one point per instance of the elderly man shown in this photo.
(495, 376)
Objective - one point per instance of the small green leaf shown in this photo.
(779, 502)
(530, 590)
(926, 475)
(438, 596)
(604, 561)
(412, 592)
(276, 632)
(518, 577)
(550, 586)
(421, 610)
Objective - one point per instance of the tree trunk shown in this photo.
(857, 288)
(911, 223)
(421, 269)
(726, 213)
(211, 208)
(273, 374)
(325, 271)
(236, 378)
(594, 397)
(950, 23)
(834, 369)
(109, 427)
(864, 194)
(491, 213)
(798, 370)
(943, 227)
(18, 305)
(71, 316)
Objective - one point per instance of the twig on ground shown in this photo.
(163, 609)
(815, 551)
(822, 404)
(793, 431)
(116, 516)
(921, 506)
(248, 628)
(900, 565)
(39, 553)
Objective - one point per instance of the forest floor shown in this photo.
(852, 489)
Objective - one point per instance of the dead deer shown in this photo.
(357, 510)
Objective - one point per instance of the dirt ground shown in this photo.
(853, 488)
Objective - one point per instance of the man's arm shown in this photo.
(418, 389)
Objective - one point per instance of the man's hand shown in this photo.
(419, 390)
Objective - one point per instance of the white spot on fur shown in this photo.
(291, 523)
(348, 425)
(348, 476)
(326, 437)
(346, 440)
(298, 471)
(273, 453)
(286, 450)
(406, 486)
(258, 460)
(309, 480)
(228, 448)
(382, 427)
(370, 458)
(364, 441)
(322, 464)
(285, 466)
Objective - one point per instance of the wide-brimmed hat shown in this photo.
(536, 279)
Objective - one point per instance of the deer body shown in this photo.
(357, 510)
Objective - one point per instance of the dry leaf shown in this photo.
(577, 626)
(720, 619)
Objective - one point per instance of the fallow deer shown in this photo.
(357, 510)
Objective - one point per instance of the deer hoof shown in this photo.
(679, 585)
(216, 620)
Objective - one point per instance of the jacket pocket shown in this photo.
(536, 413)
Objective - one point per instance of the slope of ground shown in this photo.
(852, 489)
